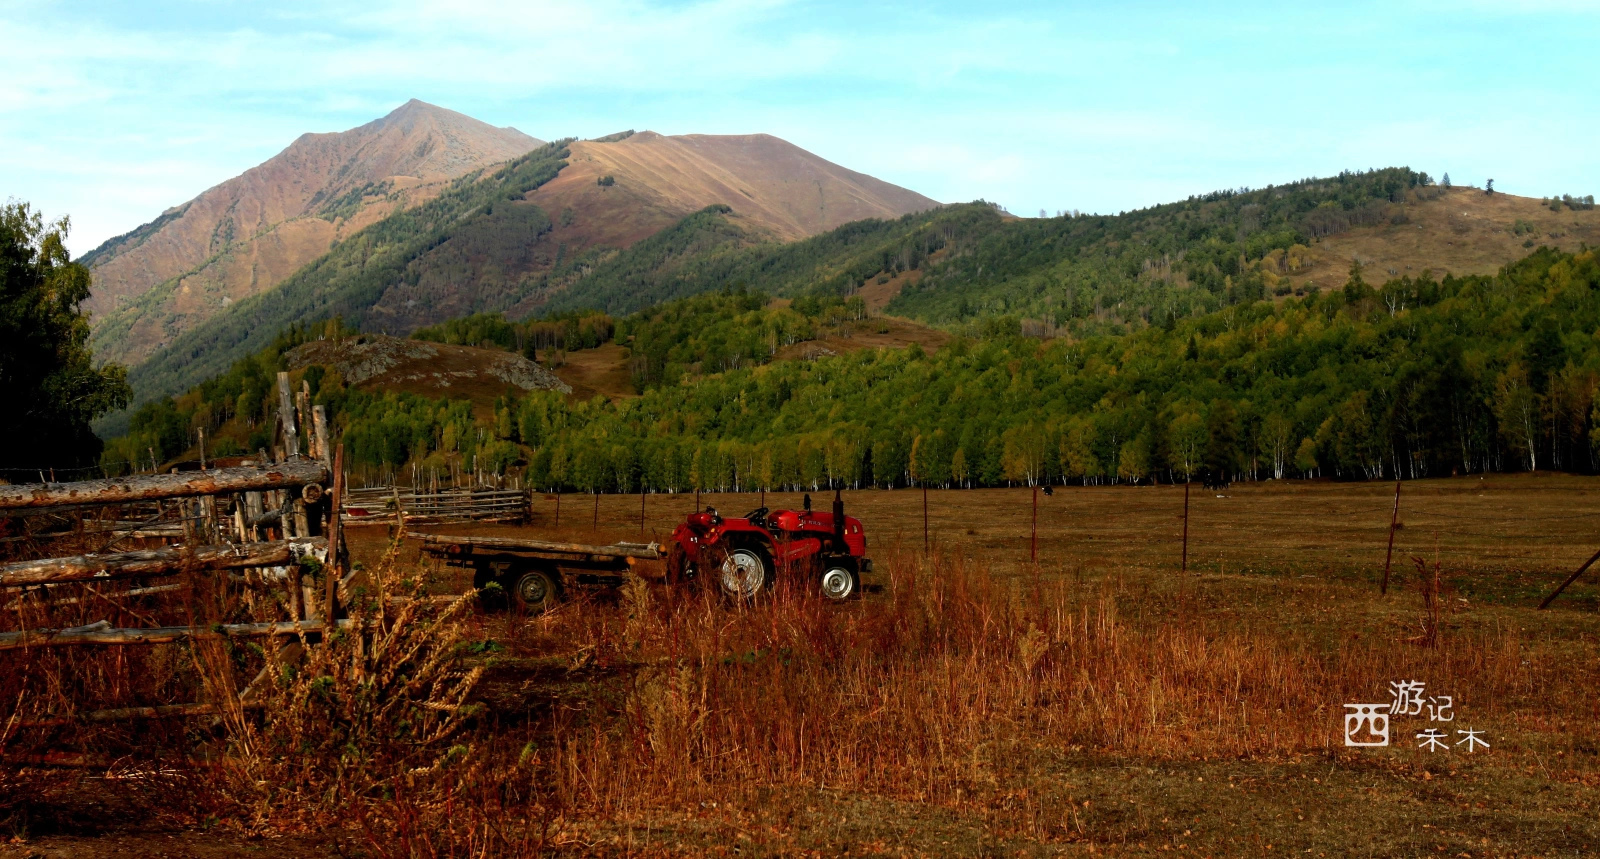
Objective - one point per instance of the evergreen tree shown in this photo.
(48, 382)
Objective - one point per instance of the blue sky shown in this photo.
(114, 112)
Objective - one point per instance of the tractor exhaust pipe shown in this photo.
(838, 521)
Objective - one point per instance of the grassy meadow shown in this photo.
(974, 702)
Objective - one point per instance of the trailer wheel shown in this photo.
(839, 583)
(536, 591)
(745, 573)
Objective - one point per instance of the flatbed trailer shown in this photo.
(536, 574)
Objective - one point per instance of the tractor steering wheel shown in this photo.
(758, 516)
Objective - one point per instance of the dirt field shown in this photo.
(1194, 713)
(1502, 539)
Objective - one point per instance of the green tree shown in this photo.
(1518, 411)
(1023, 454)
(1078, 458)
(1133, 464)
(1188, 440)
(48, 382)
(1222, 439)
(1305, 456)
(958, 465)
(1278, 433)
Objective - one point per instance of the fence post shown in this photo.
(291, 435)
(333, 571)
(1033, 544)
(558, 508)
(1186, 525)
(1570, 579)
(1394, 518)
(924, 518)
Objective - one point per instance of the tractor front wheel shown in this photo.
(745, 573)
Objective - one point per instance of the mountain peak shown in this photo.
(416, 112)
(250, 232)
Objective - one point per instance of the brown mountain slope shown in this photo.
(250, 232)
(776, 190)
(1462, 231)
(777, 186)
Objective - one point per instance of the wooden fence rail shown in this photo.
(156, 562)
(466, 505)
(121, 490)
(104, 634)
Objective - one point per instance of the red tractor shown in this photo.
(743, 556)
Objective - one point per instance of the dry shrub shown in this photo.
(368, 725)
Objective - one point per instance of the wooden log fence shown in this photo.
(149, 487)
(156, 562)
(253, 517)
(104, 634)
(376, 505)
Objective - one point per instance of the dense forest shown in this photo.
(1097, 273)
(1083, 274)
(706, 333)
(708, 251)
(1416, 377)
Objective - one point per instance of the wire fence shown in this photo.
(1536, 530)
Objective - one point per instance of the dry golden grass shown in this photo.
(1464, 231)
(977, 703)
(602, 371)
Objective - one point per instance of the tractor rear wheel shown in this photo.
(745, 573)
(839, 583)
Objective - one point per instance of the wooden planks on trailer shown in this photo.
(443, 543)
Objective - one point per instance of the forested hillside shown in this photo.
(1082, 273)
(708, 251)
(1415, 377)
(968, 268)
(702, 334)
(1148, 265)
(1085, 273)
